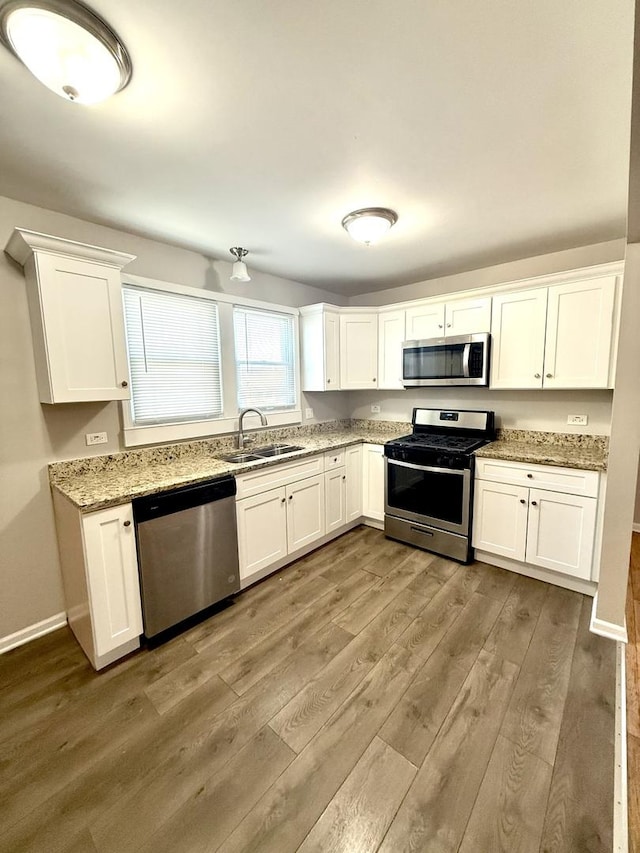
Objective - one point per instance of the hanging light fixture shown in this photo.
(368, 224)
(239, 272)
(67, 47)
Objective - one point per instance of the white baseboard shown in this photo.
(25, 635)
(620, 793)
(636, 526)
(606, 629)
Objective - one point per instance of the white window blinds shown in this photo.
(265, 359)
(173, 344)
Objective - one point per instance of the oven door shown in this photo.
(436, 496)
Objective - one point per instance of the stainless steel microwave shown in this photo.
(457, 360)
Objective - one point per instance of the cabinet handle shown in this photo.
(522, 501)
(448, 325)
(439, 325)
(344, 476)
(530, 476)
(127, 523)
(534, 503)
(537, 375)
(124, 383)
(374, 379)
(283, 501)
(328, 382)
(290, 497)
(335, 458)
(549, 375)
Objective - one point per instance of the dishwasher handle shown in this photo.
(187, 497)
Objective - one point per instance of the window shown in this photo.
(265, 361)
(173, 344)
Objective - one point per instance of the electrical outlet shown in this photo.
(95, 438)
(308, 413)
(578, 420)
(375, 410)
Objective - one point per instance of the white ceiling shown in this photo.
(496, 130)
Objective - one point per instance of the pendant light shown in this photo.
(368, 224)
(67, 47)
(239, 272)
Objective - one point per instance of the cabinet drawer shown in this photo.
(334, 459)
(572, 481)
(263, 479)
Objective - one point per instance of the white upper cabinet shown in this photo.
(442, 319)
(579, 334)
(517, 339)
(425, 321)
(468, 316)
(75, 303)
(555, 337)
(320, 343)
(390, 339)
(358, 350)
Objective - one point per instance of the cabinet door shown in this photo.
(358, 350)
(425, 321)
(112, 577)
(81, 305)
(353, 464)
(335, 492)
(468, 317)
(517, 346)
(500, 519)
(262, 530)
(332, 350)
(390, 338)
(373, 481)
(561, 531)
(579, 334)
(305, 512)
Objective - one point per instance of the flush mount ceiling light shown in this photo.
(67, 47)
(239, 272)
(369, 223)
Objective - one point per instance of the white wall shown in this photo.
(32, 435)
(569, 259)
(536, 410)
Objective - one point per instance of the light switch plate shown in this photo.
(578, 420)
(375, 410)
(308, 413)
(95, 438)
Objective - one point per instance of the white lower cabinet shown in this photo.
(305, 512)
(335, 490)
(100, 574)
(549, 527)
(373, 481)
(353, 465)
(262, 530)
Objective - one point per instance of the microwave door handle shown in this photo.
(466, 355)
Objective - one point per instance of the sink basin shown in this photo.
(276, 450)
(258, 453)
(240, 457)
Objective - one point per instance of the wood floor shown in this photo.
(632, 660)
(369, 697)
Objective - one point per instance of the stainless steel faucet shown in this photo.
(241, 438)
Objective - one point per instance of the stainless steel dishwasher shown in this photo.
(187, 551)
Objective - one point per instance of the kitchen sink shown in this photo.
(240, 457)
(258, 453)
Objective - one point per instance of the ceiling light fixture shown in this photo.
(239, 272)
(369, 223)
(67, 47)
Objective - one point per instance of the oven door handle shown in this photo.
(427, 468)
(466, 355)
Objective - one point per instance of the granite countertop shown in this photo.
(588, 452)
(98, 482)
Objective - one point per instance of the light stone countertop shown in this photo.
(102, 481)
(587, 452)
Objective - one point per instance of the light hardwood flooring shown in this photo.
(369, 697)
(632, 660)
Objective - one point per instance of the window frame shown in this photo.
(136, 435)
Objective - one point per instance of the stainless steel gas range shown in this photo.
(429, 480)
